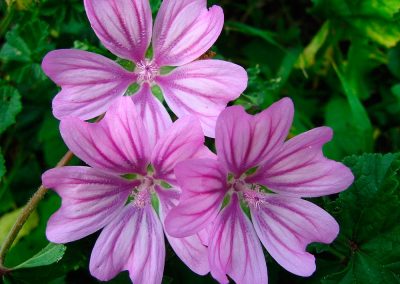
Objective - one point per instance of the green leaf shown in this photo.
(307, 58)
(374, 19)
(15, 48)
(360, 118)
(10, 106)
(8, 220)
(368, 214)
(50, 254)
(155, 5)
(26, 43)
(338, 115)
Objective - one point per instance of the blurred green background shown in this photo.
(339, 60)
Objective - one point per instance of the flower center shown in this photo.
(146, 71)
(141, 194)
(250, 193)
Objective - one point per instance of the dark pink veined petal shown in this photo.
(123, 26)
(189, 249)
(154, 115)
(183, 141)
(117, 144)
(89, 82)
(134, 241)
(286, 225)
(300, 168)
(244, 141)
(203, 184)
(184, 30)
(90, 200)
(235, 249)
(203, 88)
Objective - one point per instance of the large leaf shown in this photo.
(374, 19)
(10, 106)
(368, 214)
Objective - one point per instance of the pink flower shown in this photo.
(257, 169)
(115, 193)
(183, 31)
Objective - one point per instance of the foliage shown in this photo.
(338, 60)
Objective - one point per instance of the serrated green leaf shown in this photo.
(50, 254)
(10, 106)
(368, 214)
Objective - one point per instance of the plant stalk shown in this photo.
(26, 212)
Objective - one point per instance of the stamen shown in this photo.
(141, 195)
(254, 197)
(146, 71)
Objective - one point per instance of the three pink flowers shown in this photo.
(149, 176)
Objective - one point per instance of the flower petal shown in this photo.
(244, 141)
(154, 115)
(123, 26)
(235, 249)
(117, 144)
(300, 168)
(183, 141)
(286, 225)
(189, 249)
(134, 241)
(203, 88)
(89, 82)
(90, 200)
(184, 30)
(203, 184)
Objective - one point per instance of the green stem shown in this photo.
(26, 212)
(336, 253)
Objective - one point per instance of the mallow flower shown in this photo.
(261, 175)
(126, 183)
(182, 32)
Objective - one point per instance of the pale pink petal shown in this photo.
(300, 168)
(123, 26)
(206, 153)
(118, 143)
(204, 234)
(90, 200)
(286, 225)
(203, 185)
(189, 249)
(183, 141)
(234, 248)
(203, 88)
(184, 30)
(89, 82)
(134, 241)
(244, 141)
(154, 115)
